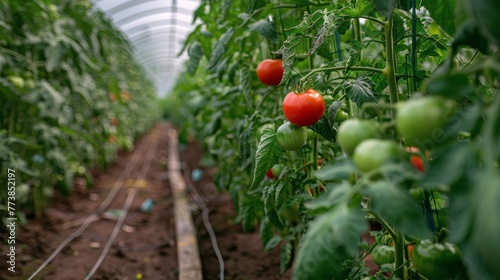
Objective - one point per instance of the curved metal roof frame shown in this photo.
(127, 5)
(143, 14)
(164, 33)
(147, 46)
(156, 30)
(162, 57)
(146, 55)
(156, 23)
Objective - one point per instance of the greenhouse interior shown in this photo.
(260, 139)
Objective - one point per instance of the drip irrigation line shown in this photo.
(130, 248)
(126, 207)
(206, 220)
(104, 204)
(114, 234)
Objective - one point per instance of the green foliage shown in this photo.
(365, 57)
(71, 94)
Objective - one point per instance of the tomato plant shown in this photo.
(59, 91)
(354, 131)
(391, 74)
(305, 108)
(291, 137)
(270, 71)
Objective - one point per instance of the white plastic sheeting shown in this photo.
(156, 29)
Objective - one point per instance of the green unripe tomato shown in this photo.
(17, 81)
(382, 254)
(291, 137)
(437, 260)
(311, 134)
(354, 131)
(420, 121)
(276, 169)
(341, 116)
(372, 153)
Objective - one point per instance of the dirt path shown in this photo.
(146, 244)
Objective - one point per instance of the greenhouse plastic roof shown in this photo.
(156, 30)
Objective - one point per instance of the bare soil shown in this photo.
(145, 244)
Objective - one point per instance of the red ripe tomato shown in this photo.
(416, 160)
(303, 109)
(270, 174)
(270, 71)
(410, 250)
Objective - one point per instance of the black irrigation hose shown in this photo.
(205, 211)
(111, 195)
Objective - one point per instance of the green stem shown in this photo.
(390, 68)
(384, 224)
(357, 35)
(315, 152)
(399, 248)
(399, 245)
(376, 106)
(381, 22)
(339, 68)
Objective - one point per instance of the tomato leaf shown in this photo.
(281, 193)
(270, 206)
(443, 13)
(195, 53)
(331, 240)
(220, 48)
(245, 85)
(325, 32)
(386, 7)
(326, 201)
(245, 147)
(385, 198)
(288, 54)
(360, 90)
(285, 256)
(250, 207)
(267, 155)
(325, 129)
(273, 242)
(450, 160)
(340, 169)
(362, 7)
(453, 85)
(265, 28)
(473, 227)
(266, 231)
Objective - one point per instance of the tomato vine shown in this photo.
(371, 61)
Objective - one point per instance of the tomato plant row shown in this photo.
(71, 95)
(407, 130)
